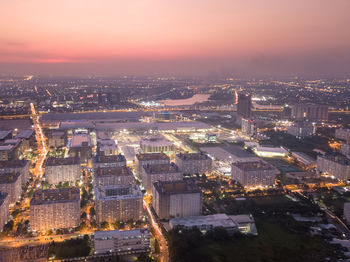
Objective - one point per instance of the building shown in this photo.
(255, 173)
(55, 208)
(176, 199)
(156, 145)
(304, 158)
(109, 176)
(302, 129)
(195, 163)
(4, 209)
(21, 166)
(334, 165)
(310, 112)
(347, 212)
(248, 127)
(163, 172)
(343, 134)
(345, 149)
(10, 151)
(81, 147)
(27, 137)
(244, 106)
(106, 147)
(122, 242)
(149, 159)
(286, 112)
(109, 161)
(57, 138)
(229, 154)
(269, 151)
(59, 170)
(239, 223)
(118, 203)
(11, 184)
(4, 135)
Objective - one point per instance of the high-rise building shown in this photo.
(109, 161)
(244, 106)
(248, 127)
(310, 112)
(193, 163)
(254, 173)
(21, 166)
(118, 203)
(10, 183)
(109, 176)
(164, 172)
(334, 165)
(122, 242)
(302, 129)
(59, 170)
(177, 199)
(4, 209)
(55, 208)
(149, 159)
(345, 149)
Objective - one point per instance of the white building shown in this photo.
(242, 223)
(109, 161)
(122, 242)
(256, 173)
(156, 145)
(248, 127)
(176, 199)
(62, 170)
(302, 129)
(304, 158)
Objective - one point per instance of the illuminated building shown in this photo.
(122, 242)
(310, 112)
(11, 184)
(176, 199)
(4, 209)
(59, 170)
(149, 159)
(163, 172)
(109, 161)
(55, 208)
(334, 165)
(245, 224)
(106, 147)
(304, 158)
(118, 203)
(21, 166)
(108, 176)
(267, 151)
(10, 151)
(156, 145)
(195, 163)
(256, 173)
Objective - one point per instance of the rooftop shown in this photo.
(155, 141)
(80, 140)
(25, 133)
(55, 196)
(177, 187)
(119, 233)
(152, 156)
(4, 133)
(193, 156)
(14, 163)
(118, 192)
(110, 159)
(253, 165)
(8, 178)
(114, 171)
(162, 168)
(57, 161)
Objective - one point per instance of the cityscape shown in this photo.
(117, 149)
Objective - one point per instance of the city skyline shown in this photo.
(259, 38)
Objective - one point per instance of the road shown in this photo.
(42, 147)
(164, 252)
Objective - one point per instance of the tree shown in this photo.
(92, 211)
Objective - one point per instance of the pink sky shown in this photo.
(174, 36)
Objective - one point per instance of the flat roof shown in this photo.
(152, 156)
(118, 192)
(161, 168)
(110, 159)
(59, 195)
(177, 187)
(79, 139)
(193, 156)
(119, 233)
(8, 178)
(25, 133)
(14, 163)
(114, 171)
(59, 161)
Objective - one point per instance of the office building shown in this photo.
(176, 199)
(335, 165)
(55, 208)
(149, 159)
(156, 145)
(255, 173)
(11, 184)
(244, 224)
(122, 242)
(4, 209)
(193, 163)
(244, 106)
(106, 147)
(118, 203)
(109, 176)
(310, 112)
(59, 170)
(302, 129)
(164, 172)
(109, 161)
(81, 147)
(20, 166)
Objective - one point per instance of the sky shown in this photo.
(175, 37)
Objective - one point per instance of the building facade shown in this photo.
(59, 170)
(109, 161)
(156, 145)
(149, 159)
(4, 209)
(176, 199)
(334, 165)
(310, 112)
(11, 184)
(21, 166)
(109, 176)
(193, 163)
